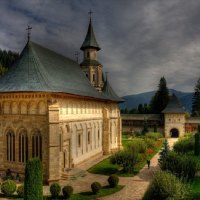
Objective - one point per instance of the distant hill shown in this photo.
(132, 101)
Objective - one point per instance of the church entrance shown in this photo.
(174, 133)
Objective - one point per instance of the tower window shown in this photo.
(89, 137)
(10, 143)
(86, 75)
(94, 77)
(88, 54)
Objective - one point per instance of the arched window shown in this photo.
(37, 145)
(10, 145)
(23, 146)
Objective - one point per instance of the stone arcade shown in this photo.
(50, 110)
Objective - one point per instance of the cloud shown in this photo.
(141, 40)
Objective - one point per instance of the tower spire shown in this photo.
(90, 15)
(29, 32)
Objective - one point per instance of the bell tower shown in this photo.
(91, 67)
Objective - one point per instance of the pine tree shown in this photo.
(196, 100)
(164, 152)
(145, 127)
(161, 98)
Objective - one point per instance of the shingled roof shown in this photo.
(90, 40)
(40, 69)
(110, 93)
(174, 106)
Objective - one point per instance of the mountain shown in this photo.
(132, 101)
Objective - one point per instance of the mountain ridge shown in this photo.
(132, 101)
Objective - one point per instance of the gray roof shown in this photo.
(174, 106)
(40, 69)
(90, 40)
(110, 93)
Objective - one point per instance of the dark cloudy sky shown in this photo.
(141, 40)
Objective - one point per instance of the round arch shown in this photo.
(174, 132)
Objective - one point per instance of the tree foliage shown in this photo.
(33, 180)
(196, 100)
(164, 152)
(161, 98)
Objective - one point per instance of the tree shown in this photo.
(161, 98)
(164, 152)
(197, 142)
(145, 127)
(196, 100)
(33, 180)
(140, 109)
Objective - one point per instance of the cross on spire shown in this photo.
(76, 56)
(29, 32)
(90, 14)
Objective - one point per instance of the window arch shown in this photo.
(37, 144)
(23, 146)
(10, 145)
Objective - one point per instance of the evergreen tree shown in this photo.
(161, 98)
(145, 127)
(196, 100)
(33, 180)
(140, 109)
(164, 152)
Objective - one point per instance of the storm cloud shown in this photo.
(141, 40)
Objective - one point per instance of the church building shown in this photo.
(55, 109)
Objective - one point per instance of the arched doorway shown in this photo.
(174, 133)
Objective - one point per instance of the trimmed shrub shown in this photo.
(55, 189)
(33, 180)
(166, 186)
(20, 191)
(184, 145)
(96, 186)
(183, 166)
(8, 187)
(113, 180)
(67, 191)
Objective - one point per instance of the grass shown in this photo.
(106, 168)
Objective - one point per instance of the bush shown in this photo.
(154, 135)
(8, 187)
(197, 144)
(113, 180)
(67, 191)
(126, 159)
(151, 143)
(166, 186)
(138, 146)
(33, 180)
(183, 166)
(184, 145)
(55, 189)
(96, 186)
(20, 191)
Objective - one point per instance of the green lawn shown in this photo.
(106, 168)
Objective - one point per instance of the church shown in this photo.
(55, 109)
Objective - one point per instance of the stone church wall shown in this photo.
(23, 116)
